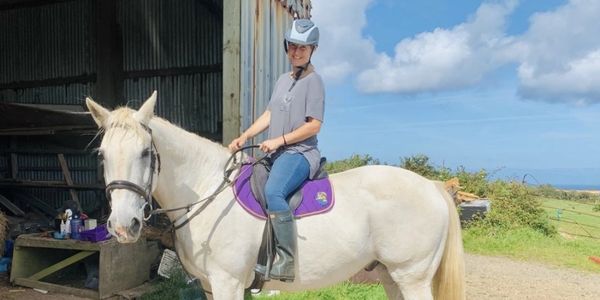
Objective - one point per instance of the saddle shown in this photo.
(260, 174)
(312, 197)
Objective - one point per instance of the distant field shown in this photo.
(573, 218)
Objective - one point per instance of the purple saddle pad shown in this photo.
(317, 196)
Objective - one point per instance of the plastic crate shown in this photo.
(97, 234)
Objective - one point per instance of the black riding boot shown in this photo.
(285, 245)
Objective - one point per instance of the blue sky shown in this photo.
(509, 86)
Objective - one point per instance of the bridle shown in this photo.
(144, 193)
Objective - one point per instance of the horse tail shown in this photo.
(449, 279)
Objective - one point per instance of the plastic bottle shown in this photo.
(63, 228)
(76, 226)
(68, 213)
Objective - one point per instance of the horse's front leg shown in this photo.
(225, 286)
(205, 287)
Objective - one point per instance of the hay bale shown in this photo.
(3, 232)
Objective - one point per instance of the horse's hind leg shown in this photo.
(389, 285)
(413, 286)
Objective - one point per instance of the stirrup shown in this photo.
(263, 270)
(283, 278)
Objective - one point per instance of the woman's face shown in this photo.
(299, 55)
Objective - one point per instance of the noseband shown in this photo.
(144, 193)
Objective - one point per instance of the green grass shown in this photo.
(576, 218)
(173, 288)
(566, 250)
(343, 291)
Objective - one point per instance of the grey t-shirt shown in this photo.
(290, 109)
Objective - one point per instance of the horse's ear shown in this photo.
(146, 112)
(99, 113)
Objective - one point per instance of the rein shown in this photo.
(146, 193)
(224, 184)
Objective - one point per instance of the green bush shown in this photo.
(354, 161)
(513, 206)
(470, 182)
(548, 191)
(419, 164)
(473, 182)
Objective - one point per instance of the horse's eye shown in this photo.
(146, 153)
(100, 155)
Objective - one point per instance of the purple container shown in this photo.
(97, 234)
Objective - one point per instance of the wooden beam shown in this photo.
(14, 4)
(47, 151)
(15, 210)
(83, 79)
(61, 264)
(48, 184)
(68, 179)
(214, 68)
(231, 70)
(57, 288)
(36, 241)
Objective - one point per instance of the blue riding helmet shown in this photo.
(302, 32)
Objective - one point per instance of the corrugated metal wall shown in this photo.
(48, 56)
(172, 46)
(263, 58)
(46, 42)
(83, 168)
(185, 37)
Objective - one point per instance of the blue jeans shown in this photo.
(288, 172)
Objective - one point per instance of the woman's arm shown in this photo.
(309, 129)
(257, 127)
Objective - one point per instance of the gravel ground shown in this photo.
(487, 278)
(503, 278)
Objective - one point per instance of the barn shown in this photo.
(213, 63)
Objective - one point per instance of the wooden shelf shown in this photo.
(38, 261)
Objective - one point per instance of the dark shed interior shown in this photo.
(55, 53)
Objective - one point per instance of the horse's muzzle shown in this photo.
(126, 234)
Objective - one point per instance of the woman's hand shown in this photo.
(237, 143)
(271, 145)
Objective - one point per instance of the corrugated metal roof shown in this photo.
(46, 41)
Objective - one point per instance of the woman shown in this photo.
(293, 116)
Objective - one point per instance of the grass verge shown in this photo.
(530, 245)
(343, 291)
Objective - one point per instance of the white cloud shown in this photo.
(443, 58)
(560, 54)
(342, 48)
(557, 58)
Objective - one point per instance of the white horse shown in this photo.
(382, 213)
